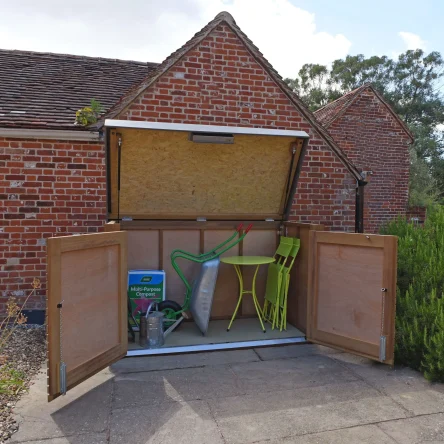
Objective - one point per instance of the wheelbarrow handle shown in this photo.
(248, 228)
(239, 227)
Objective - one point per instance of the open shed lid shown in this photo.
(179, 171)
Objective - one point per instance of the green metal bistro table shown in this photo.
(257, 261)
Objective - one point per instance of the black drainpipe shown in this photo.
(359, 213)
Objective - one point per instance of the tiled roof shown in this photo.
(43, 90)
(330, 112)
(334, 110)
(225, 17)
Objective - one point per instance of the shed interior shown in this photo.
(188, 187)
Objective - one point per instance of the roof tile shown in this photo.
(44, 90)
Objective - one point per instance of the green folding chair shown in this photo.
(270, 311)
(285, 284)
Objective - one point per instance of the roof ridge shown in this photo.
(353, 91)
(76, 56)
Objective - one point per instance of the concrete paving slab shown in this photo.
(175, 385)
(152, 363)
(77, 439)
(67, 415)
(406, 386)
(252, 418)
(422, 429)
(293, 351)
(370, 434)
(170, 423)
(287, 374)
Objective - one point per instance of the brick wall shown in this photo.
(220, 83)
(374, 141)
(47, 188)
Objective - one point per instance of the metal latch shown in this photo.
(62, 370)
(382, 347)
(62, 365)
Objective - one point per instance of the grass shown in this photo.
(12, 381)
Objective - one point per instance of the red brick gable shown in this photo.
(374, 141)
(217, 83)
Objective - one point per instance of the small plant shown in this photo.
(12, 381)
(90, 114)
(14, 317)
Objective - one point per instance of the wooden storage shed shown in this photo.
(188, 186)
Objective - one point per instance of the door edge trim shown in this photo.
(214, 347)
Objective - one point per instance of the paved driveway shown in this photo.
(300, 394)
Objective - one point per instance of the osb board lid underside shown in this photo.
(166, 175)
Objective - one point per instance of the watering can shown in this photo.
(151, 332)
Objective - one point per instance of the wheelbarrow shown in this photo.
(199, 297)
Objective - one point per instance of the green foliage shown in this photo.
(420, 303)
(423, 189)
(11, 380)
(412, 85)
(310, 85)
(90, 114)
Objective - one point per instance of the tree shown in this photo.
(411, 85)
(354, 71)
(310, 85)
(423, 190)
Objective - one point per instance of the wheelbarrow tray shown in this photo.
(203, 293)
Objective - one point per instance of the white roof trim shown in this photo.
(27, 133)
(202, 128)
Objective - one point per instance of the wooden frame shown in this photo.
(352, 293)
(87, 275)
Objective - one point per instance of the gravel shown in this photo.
(25, 351)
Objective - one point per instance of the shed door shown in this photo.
(87, 277)
(352, 293)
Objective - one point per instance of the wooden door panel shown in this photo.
(352, 293)
(87, 276)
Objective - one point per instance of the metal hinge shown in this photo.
(382, 347)
(127, 218)
(269, 219)
(62, 371)
(201, 219)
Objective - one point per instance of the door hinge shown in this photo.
(201, 219)
(127, 219)
(62, 371)
(382, 347)
(269, 219)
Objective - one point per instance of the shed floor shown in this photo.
(242, 330)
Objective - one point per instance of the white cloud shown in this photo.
(412, 41)
(151, 30)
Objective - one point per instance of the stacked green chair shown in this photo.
(278, 281)
(283, 295)
(270, 311)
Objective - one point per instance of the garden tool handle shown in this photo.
(248, 228)
(239, 227)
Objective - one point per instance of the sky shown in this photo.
(288, 32)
